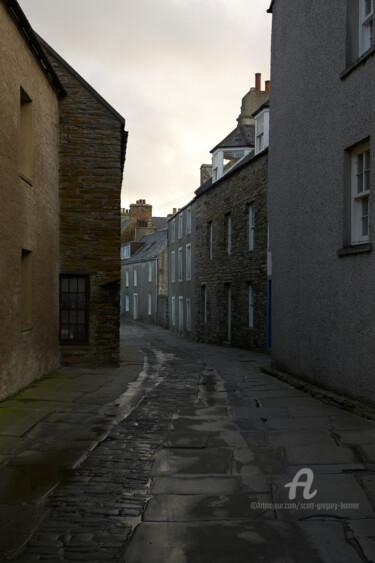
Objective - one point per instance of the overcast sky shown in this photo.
(175, 69)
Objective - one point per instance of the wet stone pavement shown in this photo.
(182, 455)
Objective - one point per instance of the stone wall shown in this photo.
(91, 164)
(233, 194)
(29, 347)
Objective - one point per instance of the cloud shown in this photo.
(175, 69)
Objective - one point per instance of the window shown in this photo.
(127, 251)
(26, 289)
(25, 147)
(224, 159)
(149, 303)
(210, 234)
(360, 194)
(173, 266)
(180, 314)
(173, 236)
(188, 315)
(127, 278)
(366, 12)
(180, 223)
(251, 225)
(135, 277)
(135, 306)
(188, 261)
(229, 311)
(228, 233)
(261, 130)
(127, 303)
(150, 271)
(173, 311)
(188, 220)
(74, 309)
(204, 303)
(251, 306)
(180, 264)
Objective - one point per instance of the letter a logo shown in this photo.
(306, 485)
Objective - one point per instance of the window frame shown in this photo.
(173, 230)
(180, 224)
(75, 341)
(188, 220)
(365, 21)
(228, 231)
(173, 310)
(173, 266)
(149, 304)
(210, 237)
(180, 265)
(250, 294)
(188, 262)
(251, 227)
(357, 197)
(188, 314)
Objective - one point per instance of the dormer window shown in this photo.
(261, 130)
(224, 159)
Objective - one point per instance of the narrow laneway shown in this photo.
(196, 468)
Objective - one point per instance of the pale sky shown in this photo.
(176, 70)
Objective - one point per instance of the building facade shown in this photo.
(29, 253)
(320, 192)
(92, 154)
(181, 254)
(231, 233)
(144, 280)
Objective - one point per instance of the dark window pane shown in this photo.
(73, 284)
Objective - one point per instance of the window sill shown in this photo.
(358, 62)
(25, 179)
(357, 249)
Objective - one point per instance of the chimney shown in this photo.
(268, 85)
(258, 81)
(174, 210)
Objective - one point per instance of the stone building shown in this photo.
(181, 252)
(92, 154)
(144, 280)
(29, 254)
(231, 234)
(321, 185)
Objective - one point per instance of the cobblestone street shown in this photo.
(182, 455)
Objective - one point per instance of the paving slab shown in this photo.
(261, 413)
(254, 461)
(236, 439)
(186, 440)
(364, 533)
(299, 423)
(214, 461)
(203, 412)
(294, 438)
(203, 484)
(17, 422)
(320, 454)
(237, 542)
(185, 424)
(16, 526)
(194, 508)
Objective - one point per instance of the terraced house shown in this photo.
(62, 157)
(232, 289)
(321, 186)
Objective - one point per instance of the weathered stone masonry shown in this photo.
(92, 152)
(233, 193)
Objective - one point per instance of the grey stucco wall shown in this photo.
(323, 306)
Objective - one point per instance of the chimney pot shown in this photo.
(268, 85)
(258, 81)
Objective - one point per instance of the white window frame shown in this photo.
(188, 262)
(127, 251)
(179, 264)
(251, 227)
(173, 311)
(228, 219)
(218, 161)
(127, 278)
(360, 193)
(180, 224)
(149, 304)
(180, 314)
(204, 289)
(188, 220)
(127, 303)
(173, 266)
(150, 271)
(251, 306)
(173, 235)
(261, 130)
(188, 315)
(365, 25)
(135, 277)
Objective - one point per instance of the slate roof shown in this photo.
(153, 245)
(241, 136)
(159, 222)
